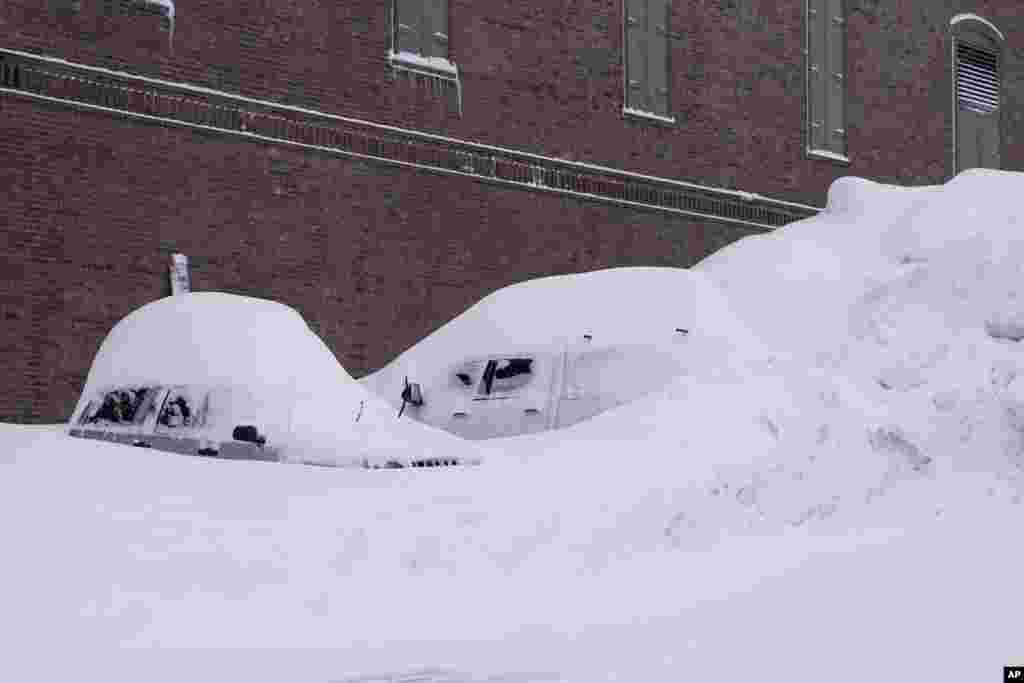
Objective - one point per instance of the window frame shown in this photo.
(973, 23)
(416, 61)
(641, 114)
(810, 152)
(486, 388)
(478, 368)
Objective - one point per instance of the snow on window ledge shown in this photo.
(167, 7)
(825, 154)
(627, 111)
(411, 59)
(166, 4)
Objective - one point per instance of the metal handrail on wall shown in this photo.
(153, 99)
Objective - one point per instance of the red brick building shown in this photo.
(382, 164)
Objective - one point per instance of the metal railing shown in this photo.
(148, 98)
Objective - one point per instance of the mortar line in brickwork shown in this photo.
(358, 155)
(748, 196)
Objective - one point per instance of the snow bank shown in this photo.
(794, 286)
(842, 445)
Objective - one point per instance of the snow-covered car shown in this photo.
(216, 374)
(188, 419)
(533, 390)
(552, 352)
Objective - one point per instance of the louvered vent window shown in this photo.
(977, 78)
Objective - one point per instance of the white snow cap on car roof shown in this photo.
(215, 338)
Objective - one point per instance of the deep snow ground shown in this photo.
(176, 554)
(839, 493)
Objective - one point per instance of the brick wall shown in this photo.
(547, 77)
(375, 257)
(899, 55)
(94, 205)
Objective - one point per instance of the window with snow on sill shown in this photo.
(640, 113)
(439, 65)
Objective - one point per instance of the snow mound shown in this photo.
(824, 488)
(891, 358)
(622, 309)
(813, 270)
(212, 338)
(976, 215)
(618, 305)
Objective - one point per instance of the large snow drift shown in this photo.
(836, 494)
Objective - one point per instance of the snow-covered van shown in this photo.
(551, 352)
(188, 419)
(521, 391)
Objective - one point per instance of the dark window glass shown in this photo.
(506, 375)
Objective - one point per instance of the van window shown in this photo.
(505, 376)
